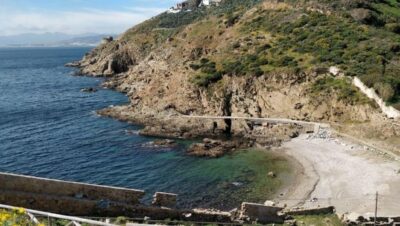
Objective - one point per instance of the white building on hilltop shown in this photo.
(209, 2)
(188, 6)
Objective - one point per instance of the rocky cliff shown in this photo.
(250, 58)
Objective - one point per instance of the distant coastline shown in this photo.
(44, 47)
(52, 40)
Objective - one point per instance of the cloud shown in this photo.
(73, 22)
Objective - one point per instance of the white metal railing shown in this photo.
(73, 220)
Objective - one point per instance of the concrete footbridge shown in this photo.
(270, 120)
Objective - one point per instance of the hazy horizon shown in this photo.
(76, 17)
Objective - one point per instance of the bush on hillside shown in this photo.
(393, 27)
(207, 73)
(385, 91)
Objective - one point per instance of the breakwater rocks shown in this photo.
(216, 148)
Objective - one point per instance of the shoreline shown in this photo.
(300, 177)
(306, 189)
(343, 174)
(311, 181)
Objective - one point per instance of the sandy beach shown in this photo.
(343, 174)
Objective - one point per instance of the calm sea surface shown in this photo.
(48, 128)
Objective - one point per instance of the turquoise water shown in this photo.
(48, 128)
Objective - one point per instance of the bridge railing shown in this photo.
(73, 221)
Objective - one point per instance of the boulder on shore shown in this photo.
(162, 143)
(271, 174)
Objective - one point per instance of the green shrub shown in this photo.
(234, 68)
(393, 27)
(359, 50)
(204, 79)
(385, 91)
(207, 73)
(285, 61)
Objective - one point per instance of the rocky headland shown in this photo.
(158, 68)
(245, 61)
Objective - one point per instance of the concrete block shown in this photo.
(264, 214)
(164, 199)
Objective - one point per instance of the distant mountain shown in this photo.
(51, 40)
(92, 40)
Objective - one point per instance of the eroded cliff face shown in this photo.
(155, 72)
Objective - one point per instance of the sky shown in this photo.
(76, 16)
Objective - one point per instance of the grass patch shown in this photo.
(316, 220)
(344, 89)
(320, 220)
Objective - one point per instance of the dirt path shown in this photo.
(345, 175)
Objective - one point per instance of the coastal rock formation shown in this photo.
(171, 69)
(73, 64)
(166, 143)
(215, 148)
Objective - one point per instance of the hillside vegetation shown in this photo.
(258, 58)
(361, 37)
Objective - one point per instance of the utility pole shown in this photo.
(376, 207)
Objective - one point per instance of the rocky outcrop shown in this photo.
(365, 16)
(73, 64)
(215, 148)
(89, 90)
(161, 143)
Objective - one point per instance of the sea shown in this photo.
(49, 128)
